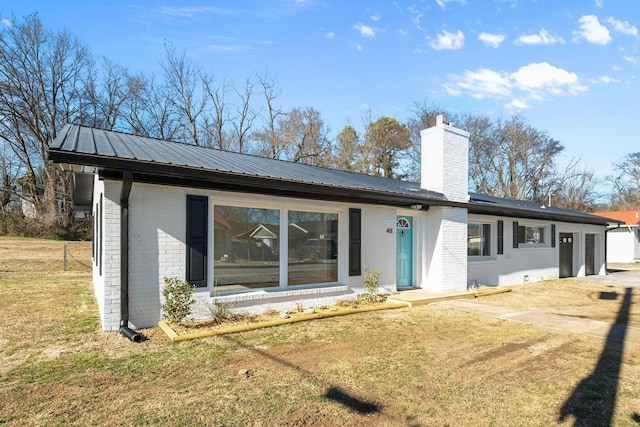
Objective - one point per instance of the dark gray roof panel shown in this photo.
(107, 144)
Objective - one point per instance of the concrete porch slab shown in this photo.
(417, 297)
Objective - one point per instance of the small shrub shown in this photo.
(370, 282)
(177, 299)
(221, 311)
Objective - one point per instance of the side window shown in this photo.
(479, 240)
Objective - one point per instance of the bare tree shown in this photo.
(244, 117)
(270, 143)
(109, 98)
(626, 182)
(215, 122)
(482, 146)
(511, 158)
(573, 188)
(9, 172)
(183, 86)
(43, 82)
(304, 137)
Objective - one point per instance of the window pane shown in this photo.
(313, 247)
(531, 234)
(246, 248)
(474, 239)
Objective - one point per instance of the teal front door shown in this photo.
(404, 251)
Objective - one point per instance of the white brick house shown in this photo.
(264, 233)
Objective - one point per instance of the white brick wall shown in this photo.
(111, 254)
(445, 248)
(378, 246)
(536, 263)
(157, 250)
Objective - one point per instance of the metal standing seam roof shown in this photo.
(110, 150)
(96, 147)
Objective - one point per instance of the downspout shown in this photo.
(606, 262)
(127, 181)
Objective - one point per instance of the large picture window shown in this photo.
(248, 243)
(313, 248)
(246, 248)
(479, 240)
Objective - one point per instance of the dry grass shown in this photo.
(404, 367)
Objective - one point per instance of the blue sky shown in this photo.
(570, 67)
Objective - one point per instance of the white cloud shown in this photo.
(623, 27)
(482, 83)
(543, 77)
(365, 30)
(375, 17)
(448, 41)
(443, 3)
(607, 80)
(598, 3)
(329, 35)
(492, 40)
(6, 22)
(543, 37)
(416, 16)
(517, 104)
(535, 81)
(592, 30)
(403, 32)
(190, 12)
(630, 59)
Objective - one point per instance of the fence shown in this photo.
(76, 256)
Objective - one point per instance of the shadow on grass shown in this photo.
(593, 400)
(333, 393)
(337, 395)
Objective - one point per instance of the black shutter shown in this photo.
(553, 235)
(355, 242)
(197, 219)
(486, 234)
(500, 237)
(515, 234)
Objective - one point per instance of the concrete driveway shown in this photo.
(626, 275)
(629, 278)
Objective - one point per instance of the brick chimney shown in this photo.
(445, 160)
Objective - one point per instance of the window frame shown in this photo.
(491, 239)
(522, 231)
(283, 209)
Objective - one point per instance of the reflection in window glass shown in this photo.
(246, 248)
(313, 248)
(479, 239)
(531, 234)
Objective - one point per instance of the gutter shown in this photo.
(127, 181)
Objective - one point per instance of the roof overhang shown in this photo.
(182, 176)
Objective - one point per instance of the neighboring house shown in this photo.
(623, 241)
(261, 233)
